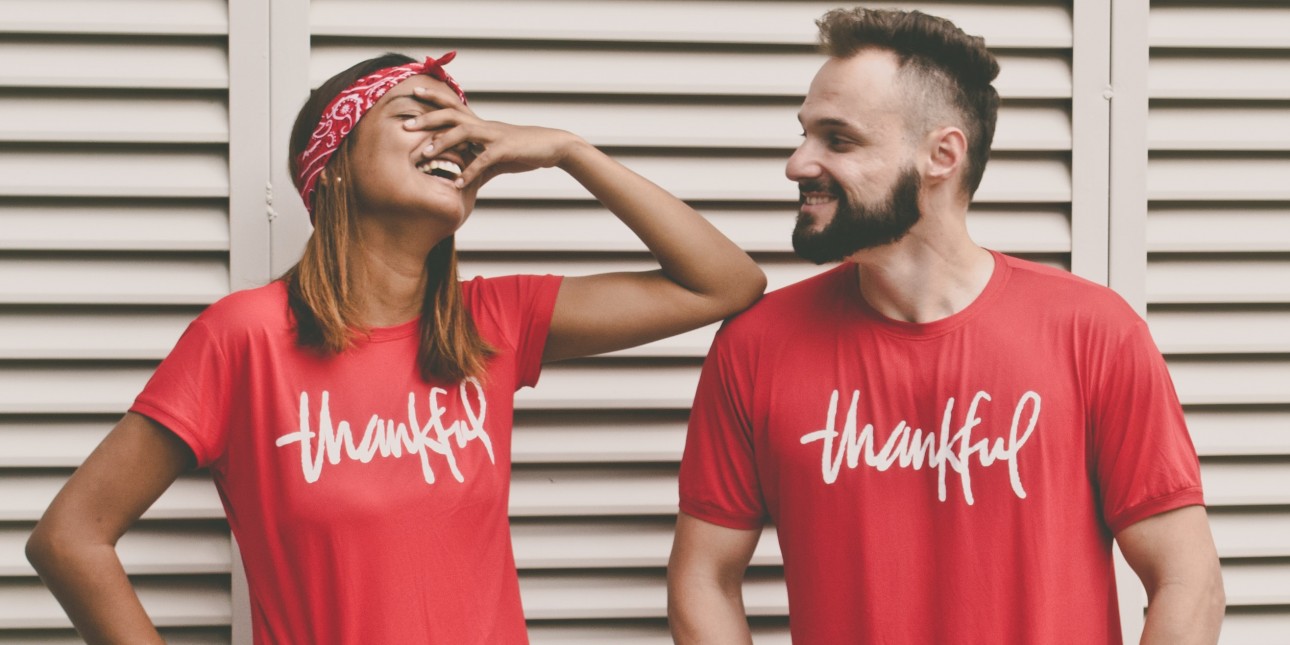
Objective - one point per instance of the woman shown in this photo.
(356, 414)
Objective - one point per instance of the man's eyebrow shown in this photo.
(834, 122)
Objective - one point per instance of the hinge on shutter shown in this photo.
(268, 202)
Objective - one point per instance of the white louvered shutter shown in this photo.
(114, 233)
(115, 229)
(701, 98)
(1217, 278)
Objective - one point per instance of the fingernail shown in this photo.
(428, 149)
(459, 183)
(410, 123)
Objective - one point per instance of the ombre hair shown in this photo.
(320, 287)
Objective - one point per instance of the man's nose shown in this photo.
(802, 164)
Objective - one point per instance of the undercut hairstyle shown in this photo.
(946, 73)
(322, 287)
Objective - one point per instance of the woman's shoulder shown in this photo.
(502, 293)
(257, 308)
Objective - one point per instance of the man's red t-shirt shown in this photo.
(958, 481)
(369, 505)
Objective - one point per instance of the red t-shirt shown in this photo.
(958, 481)
(370, 506)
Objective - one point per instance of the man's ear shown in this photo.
(947, 155)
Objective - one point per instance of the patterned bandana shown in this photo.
(342, 115)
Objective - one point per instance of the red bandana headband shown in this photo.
(342, 115)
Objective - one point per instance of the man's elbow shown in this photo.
(1215, 595)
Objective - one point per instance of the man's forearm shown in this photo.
(1181, 614)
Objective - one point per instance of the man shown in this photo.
(948, 439)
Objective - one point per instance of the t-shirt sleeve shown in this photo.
(190, 391)
(718, 481)
(1145, 463)
(522, 307)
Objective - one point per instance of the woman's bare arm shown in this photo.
(73, 547)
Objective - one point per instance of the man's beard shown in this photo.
(854, 228)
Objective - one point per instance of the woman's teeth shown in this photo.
(440, 168)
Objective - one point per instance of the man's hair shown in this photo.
(946, 72)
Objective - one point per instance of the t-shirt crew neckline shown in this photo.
(393, 332)
(906, 329)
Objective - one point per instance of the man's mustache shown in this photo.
(817, 186)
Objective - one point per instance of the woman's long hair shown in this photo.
(320, 287)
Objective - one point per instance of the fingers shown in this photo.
(449, 109)
(478, 170)
(474, 145)
(439, 95)
(437, 120)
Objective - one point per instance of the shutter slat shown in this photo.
(25, 496)
(1025, 228)
(1215, 278)
(630, 633)
(135, 63)
(1217, 229)
(1258, 75)
(170, 601)
(126, 17)
(1256, 582)
(1226, 330)
(144, 549)
(780, 271)
(1218, 177)
(119, 332)
(106, 172)
(171, 635)
(72, 388)
(1249, 533)
(62, 117)
(105, 279)
(666, 21)
(1226, 430)
(483, 69)
(1009, 178)
(709, 123)
(630, 595)
(596, 436)
(584, 544)
(596, 385)
(1235, 380)
(1250, 482)
(1220, 127)
(114, 226)
(605, 490)
(1227, 25)
(1244, 626)
(45, 442)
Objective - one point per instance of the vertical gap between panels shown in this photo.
(248, 133)
(1090, 139)
(1128, 160)
(289, 31)
(248, 159)
(1127, 253)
